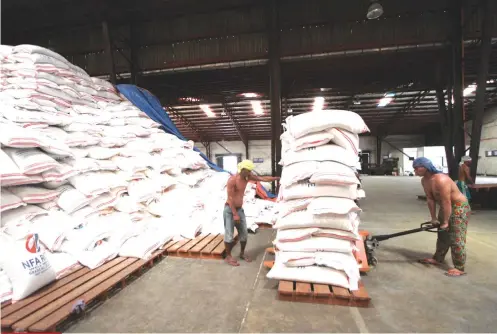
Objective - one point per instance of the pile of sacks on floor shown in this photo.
(317, 216)
(86, 176)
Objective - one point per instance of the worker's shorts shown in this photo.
(229, 225)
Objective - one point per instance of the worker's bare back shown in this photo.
(236, 189)
(438, 186)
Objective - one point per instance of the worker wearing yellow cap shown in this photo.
(233, 213)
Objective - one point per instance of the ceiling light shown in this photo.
(387, 98)
(318, 103)
(290, 110)
(189, 99)
(469, 90)
(207, 110)
(257, 107)
(375, 10)
(250, 95)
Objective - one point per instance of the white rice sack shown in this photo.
(163, 180)
(79, 152)
(82, 165)
(33, 195)
(104, 201)
(50, 206)
(312, 274)
(18, 115)
(71, 200)
(5, 287)
(143, 190)
(131, 165)
(26, 265)
(9, 172)
(54, 184)
(290, 235)
(316, 244)
(141, 246)
(31, 161)
(319, 172)
(98, 256)
(336, 205)
(346, 139)
(15, 216)
(316, 121)
(128, 204)
(59, 173)
(310, 140)
(306, 189)
(9, 201)
(62, 263)
(34, 49)
(102, 153)
(90, 184)
(53, 227)
(114, 142)
(303, 219)
(321, 153)
(86, 237)
(15, 136)
(345, 262)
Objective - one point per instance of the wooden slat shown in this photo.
(361, 294)
(340, 292)
(303, 289)
(361, 257)
(285, 287)
(212, 245)
(168, 244)
(43, 292)
(178, 245)
(198, 247)
(219, 250)
(62, 313)
(71, 296)
(54, 294)
(191, 244)
(321, 290)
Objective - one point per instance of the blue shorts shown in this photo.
(229, 225)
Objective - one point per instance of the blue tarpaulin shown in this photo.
(150, 105)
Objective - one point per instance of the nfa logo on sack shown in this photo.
(38, 264)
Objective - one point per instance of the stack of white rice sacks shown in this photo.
(317, 217)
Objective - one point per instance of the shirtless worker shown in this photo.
(233, 213)
(465, 177)
(453, 215)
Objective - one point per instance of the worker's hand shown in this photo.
(236, 218)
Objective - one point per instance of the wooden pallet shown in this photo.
(204, 246)
(51, 306)
(322, 294)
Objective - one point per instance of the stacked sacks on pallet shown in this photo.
(317, 217)
(86, 176)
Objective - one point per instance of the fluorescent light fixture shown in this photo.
(189, 99)
(469, 90)
(318, 103)
(257, 107)
(387, 98)
(207, 110)
(290, 110)
(250, 95)
(491, 81)
(375, 10)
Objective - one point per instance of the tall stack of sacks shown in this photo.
(80, 167)
(317, 217)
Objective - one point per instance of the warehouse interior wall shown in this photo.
(487, 165)
(260, 150)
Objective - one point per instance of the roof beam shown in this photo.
(229, 114)
(200, 136)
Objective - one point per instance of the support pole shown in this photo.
(481, 82)
(446, 133)
(108, 50)
(378, 150)
(247, 150)
(132, 51)
(275, 88)
(457, 69)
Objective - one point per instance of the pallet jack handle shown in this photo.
(429, 227)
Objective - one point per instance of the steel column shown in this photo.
(481, 85)
(109, 51)
(378, 150)
(457, 70)
(445, 123)
(275, 87)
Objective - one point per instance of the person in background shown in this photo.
(465, 177)
(452, 218)
(233, 213)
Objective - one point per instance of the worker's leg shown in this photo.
(243, 235)
(443, 245)
(228, 235)
(458, 229)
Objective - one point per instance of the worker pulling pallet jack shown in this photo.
(451, 224)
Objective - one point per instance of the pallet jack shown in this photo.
(371, 243)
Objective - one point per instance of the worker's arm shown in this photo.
(432, 206)
(231, 193)
(468, 175)
(445, 188)
(256, 178)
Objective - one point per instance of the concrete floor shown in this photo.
(182, 295)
